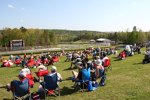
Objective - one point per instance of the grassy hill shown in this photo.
(129, 80)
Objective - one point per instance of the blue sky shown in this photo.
(98, 15)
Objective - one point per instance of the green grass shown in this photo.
(128, 80)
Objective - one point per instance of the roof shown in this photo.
(92, 40)
(103, 39)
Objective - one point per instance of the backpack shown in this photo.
(90, 86)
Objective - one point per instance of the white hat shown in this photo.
(89, 62)
(53, 68)
(79, 63)
(98, 62)
(79, 59)
(41, 66)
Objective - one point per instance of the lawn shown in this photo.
(128, 80)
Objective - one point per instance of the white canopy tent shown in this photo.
(103, 40)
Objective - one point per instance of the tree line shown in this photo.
(42, 37)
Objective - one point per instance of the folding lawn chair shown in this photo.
(86, 77)
(50, 85)
(107, 64)
(20, 89)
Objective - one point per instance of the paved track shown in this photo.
(29, 51)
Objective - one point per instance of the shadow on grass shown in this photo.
(140, 63)
(69, 69)
(10, 67)
(7, 99)
(67, 91)
(118, 60)
(115, 57)
(68, 79)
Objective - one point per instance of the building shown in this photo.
(92, 41)
(103, 42)
(17, 44)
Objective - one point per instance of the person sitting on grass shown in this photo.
(93, 69)
(11, 57)
(41, 71)
(25, 70)
(48, 81)
(76, 62)
(27, 74)
(106, 62)
(86, 75)
(78, 75)
(68, 57)
(19, 87)
(100, 72)
(147, 57)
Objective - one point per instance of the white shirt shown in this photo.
(25, 71)
(42, 67)
(98, 62)
(127, 47)
(148, 52)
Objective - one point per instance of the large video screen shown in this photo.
(17, 44)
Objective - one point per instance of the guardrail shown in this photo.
(30, 51)
(68, 47)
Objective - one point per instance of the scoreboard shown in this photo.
(17, 44)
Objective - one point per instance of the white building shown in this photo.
(103, 42)
(92, 41)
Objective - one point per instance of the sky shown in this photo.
(94, 15)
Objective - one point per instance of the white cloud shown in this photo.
(10, 6)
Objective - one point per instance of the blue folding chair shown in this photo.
(86, 77)
(20, 89)
(50, 85)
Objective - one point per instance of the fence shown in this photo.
(37, 49)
